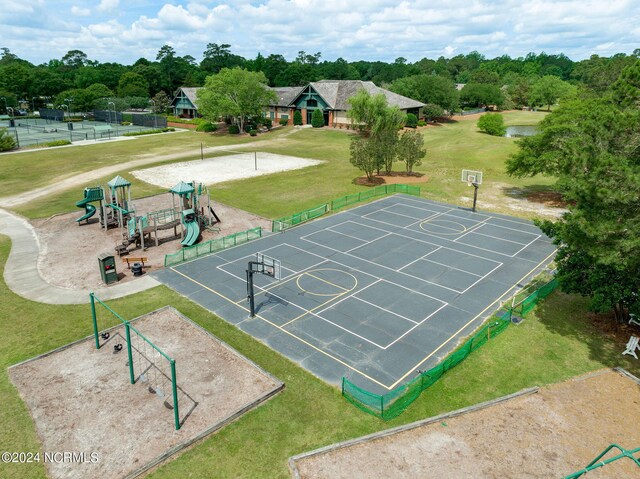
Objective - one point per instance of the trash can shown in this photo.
(136, 269)
(70, 126)
(107, 264)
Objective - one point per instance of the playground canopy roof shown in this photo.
(118, 182)
(182, 188)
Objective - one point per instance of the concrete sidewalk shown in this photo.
(23, 278)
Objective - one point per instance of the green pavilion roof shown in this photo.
(182, 188)
(118, 182)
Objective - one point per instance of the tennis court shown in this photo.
(36, 131)
(374, 293)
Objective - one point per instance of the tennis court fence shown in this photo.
(287, 222)
(211, 246)
(395, 402)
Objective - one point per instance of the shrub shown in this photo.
(126, 123)
(267, 123)
(207, 127)
(492, 124)
(422, 123)
(234, 129)
(7, 142)
(317, 118)
(253, 132)
(297, 118)
(283, 121)
(146, 132)
(58, 143)
(411, 121)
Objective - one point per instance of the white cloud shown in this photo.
(373, 29)
(108, 5)
(80, 12)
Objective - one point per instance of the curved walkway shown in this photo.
(23, 278)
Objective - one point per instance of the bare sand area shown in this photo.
(69, 252)
(550, 433)
(223, 168)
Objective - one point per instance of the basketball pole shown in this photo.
(475, 195)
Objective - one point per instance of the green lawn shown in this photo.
(450, 148)
(555, 342)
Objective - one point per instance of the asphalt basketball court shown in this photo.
(374, 293)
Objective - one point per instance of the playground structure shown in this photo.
(194, 216)
(115, 206)
(192, 209)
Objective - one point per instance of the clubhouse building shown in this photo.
(330, 96)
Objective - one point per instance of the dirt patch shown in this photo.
(392, 179)
(81, 399)
(504, 198)
(68, 251)
(551, 433)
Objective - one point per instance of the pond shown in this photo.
(516, 131)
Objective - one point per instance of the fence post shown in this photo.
(128, 334)
(176, 414)
(95, 321)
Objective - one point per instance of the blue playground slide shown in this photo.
(192, 233)
(89, 209)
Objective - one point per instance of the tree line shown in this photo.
(591, 144)
(503, 81)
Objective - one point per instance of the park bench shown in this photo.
(131, 260)
(632, 345)
(634, 320)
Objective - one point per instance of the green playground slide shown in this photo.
(192, 233)
(89, 209)
(90, 194)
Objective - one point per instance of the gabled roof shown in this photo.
(338, 92)
(190, 93)
(286, 94)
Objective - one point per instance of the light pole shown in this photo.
(64, 106)
(155, 118)
(70, 100)
(6, 108)
(114, 111)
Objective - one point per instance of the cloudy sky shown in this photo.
(125, 30)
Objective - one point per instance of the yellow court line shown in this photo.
(413, 369)
(325, 280)
(348, 366)
(313, 309)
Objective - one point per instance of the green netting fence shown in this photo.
(287, 222)
(393, 403)
(211, 246)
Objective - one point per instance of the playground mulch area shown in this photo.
(551, 432)
(81, 399)
(69, 252)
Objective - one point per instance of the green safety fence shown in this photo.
(382, 190)
(287, 222)
(212, 246)
(393, 403)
